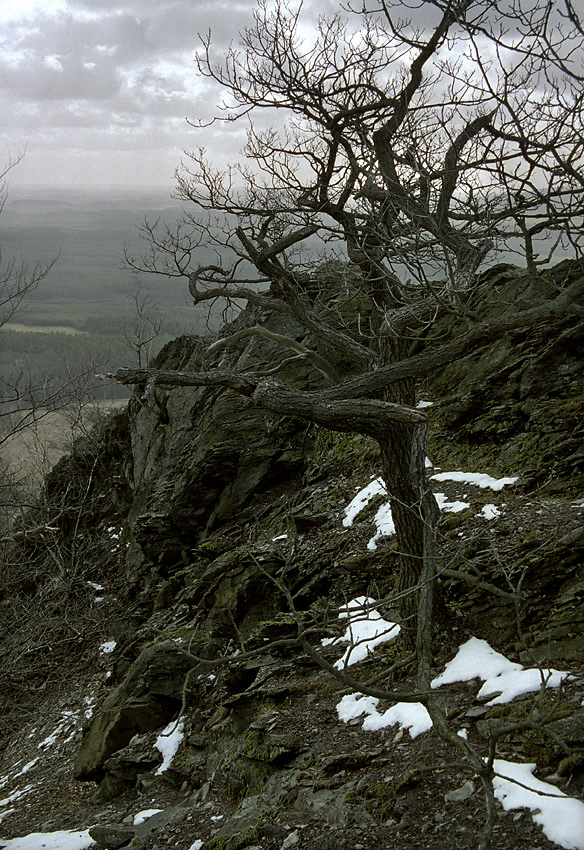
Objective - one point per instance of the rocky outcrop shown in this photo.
(517, 400)
(150, 695)
(220, 509)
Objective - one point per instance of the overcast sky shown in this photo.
(98, 91)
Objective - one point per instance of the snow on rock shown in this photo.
(140, 817)
(561, 817)
(479, 479)
(197, 845)
(107, 647)
(366, 630)
(63, 840)
(168, 743)
(502, 678)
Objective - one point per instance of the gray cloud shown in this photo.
(115, 79)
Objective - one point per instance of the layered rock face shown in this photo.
(203, 517)
(208, 469)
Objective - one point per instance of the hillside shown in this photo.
(176, 607)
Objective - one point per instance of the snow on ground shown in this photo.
(68, 724)
(107, 647)
(362, 499)
(168, 743)
(383, 521)
(16, 795)
(410, 716)
(490, 512)
(479, 479)
(384, 525)
(28, 766)
(561, 817)
(63, 840)
(366, 629)
(503, 679)
(450, 507)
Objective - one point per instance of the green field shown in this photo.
(88, 287)
(85, 303)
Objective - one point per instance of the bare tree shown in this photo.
(18, 279)
(29, 395)
(413, 150)
(146, 323)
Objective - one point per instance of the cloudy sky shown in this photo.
(98, 91)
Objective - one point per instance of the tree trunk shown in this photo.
(401, 432)
(415, 514)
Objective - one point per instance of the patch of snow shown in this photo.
(16, 795)
(197, 845)
(366, 630)
(422, 404)
(107, 647)
(384, 525)
(216, 817)
(490, 512)
(28, 766)
(450, 507)
(409, 715)
(505, 679)
(428, 463)
(5, 815)
(479, 479)
(362, 499)
(64, 840)
(354, 705)
(383, 520)
(561, 817)
(94, 585)
(168, 743)
(463, 733)
(143, 816)
(280, 537)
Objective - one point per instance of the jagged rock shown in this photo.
(149, 696)
(124, 766)
(570, 729)
(201, 455)
(112, 836)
